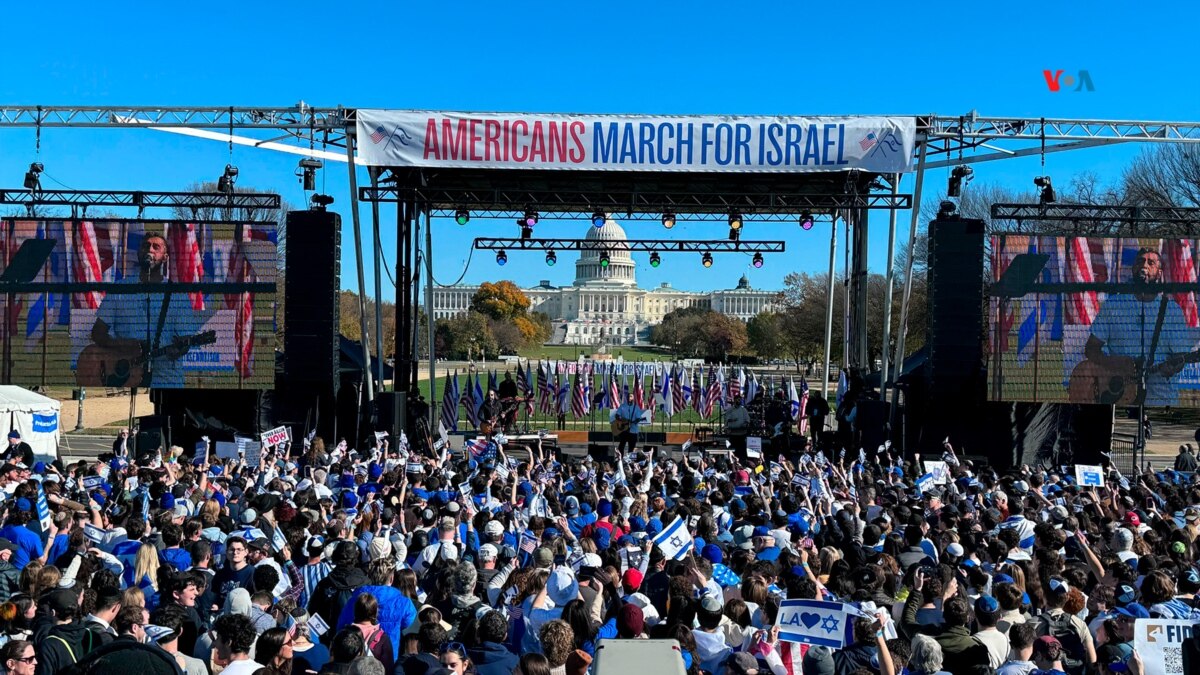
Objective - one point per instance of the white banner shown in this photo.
(815, 622)
(1160, 644)
(730, 143)
(940, 471)
(1089, 476)
(276, 436)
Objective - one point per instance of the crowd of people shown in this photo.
(411, 559)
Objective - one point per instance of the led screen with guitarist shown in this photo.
(1094, 320)
(139, 339)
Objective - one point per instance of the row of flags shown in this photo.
(107, 251)
(551, 390)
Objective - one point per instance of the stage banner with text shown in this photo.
(736, 144)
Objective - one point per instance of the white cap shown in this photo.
(955, 549)
(493, 529)
(488, 552)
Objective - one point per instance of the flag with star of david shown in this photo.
(816, 622)
(675, 541)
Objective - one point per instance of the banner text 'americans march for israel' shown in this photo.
(634, 143)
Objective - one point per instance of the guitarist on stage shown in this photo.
(1143, 327)
(629, 413)
(130, 322)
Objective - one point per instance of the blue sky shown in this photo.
(677, 58)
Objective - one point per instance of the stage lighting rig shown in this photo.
(947, 209)
(735, 220)
(734, 234)
(33, 177)
(462, 216)
(959, 176)
(321, 202)
(603, 258)
(806, 220)
(668, 220)
(758, 260)
(598, 219)
(501, 257)
(526, 233)
(307, 172)
(1045, 189)
(706, 260)
(655, 260)
(551, 258)
(226, 182)
(530, 219)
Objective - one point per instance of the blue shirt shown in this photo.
(29, 544)
(630, 411)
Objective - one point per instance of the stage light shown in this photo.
(735, 220)
(1046, 187)
(734, 234)
(806, 220)
(947, 209)
(501, 257)
(604, 258)
(706, 259)
(531, 218)
(307, 171)
(959, 175)
(551, 258)
(321, 202)
(462, 216)
(226, 181)
(668, 220)
(758, 260)
(598, 219)
(655, 260)
(526, 233)
(33, 177)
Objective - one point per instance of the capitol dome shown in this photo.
(620, 269)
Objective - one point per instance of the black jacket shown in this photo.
(334, 591)
(63, 647)
(10, 580)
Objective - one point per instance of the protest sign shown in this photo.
(226, 450)
(815, 622)
(200, 456)
(43, 510)
(939, 470)
(276, 436)
(1089, 476)
(925, 483)
(1160, 644)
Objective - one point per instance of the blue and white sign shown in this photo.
(45, 423)
(729, 143)
(1088, 475)
(43, 510)
(926, 483)
(815, 622)
(675, 541)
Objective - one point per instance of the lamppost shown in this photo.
(79, 416)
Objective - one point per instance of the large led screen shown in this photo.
(1094, 320)
(137, 303)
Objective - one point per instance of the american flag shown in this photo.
(638, 397)
(735, 384)
(677, 400)
(1081, 308)
(714, 392)
(1181, 268)
(188, 263)
(614, 395)
(866, 143)
(378, 135)
(468, 403)
(543, 385)
(577, 404)
(87, 266)
(528, 542)
(243, 332)
(239, 270)
(478, 447)
(803, 414)
(450, 403)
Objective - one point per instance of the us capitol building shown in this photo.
(605, 305)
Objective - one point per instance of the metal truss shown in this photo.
(298, 118)
(635, 205)
(1098, 220)
(140, 199)
(645, 245)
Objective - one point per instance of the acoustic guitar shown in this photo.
(112, 367)
(1093, 383)
(619, 426)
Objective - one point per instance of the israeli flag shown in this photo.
(815, 622)
(675, 541)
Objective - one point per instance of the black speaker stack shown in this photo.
(310, 310)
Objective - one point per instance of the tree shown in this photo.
(502, 300)
(765, 335)
(722, 335)
(678, 330)
(466, 336)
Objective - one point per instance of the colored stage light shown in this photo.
(531, 218)
(462, 216)
(706, 259)
(735, 220)
(598, 219)
(668, 220)
(806, 220)
(758, 260)
(501, 257)
(655, 260)
(551, 258)
(604, 258)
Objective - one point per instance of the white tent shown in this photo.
(33, 415)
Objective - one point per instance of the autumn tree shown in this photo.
(765, 335)
(465, 336)
(501, 300)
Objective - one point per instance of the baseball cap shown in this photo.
(1133, 519)
(741, 663)
(543, 557)
(1115, 655)
(6, 545)
(62, 600)
(261, 544)
(488, 552)
(1134, 610)
(632, 580)
(955, 550)
(14, 434)
(493, 529)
